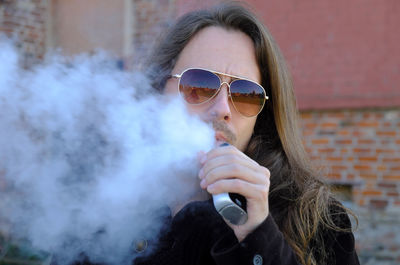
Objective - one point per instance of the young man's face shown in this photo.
(230, 52)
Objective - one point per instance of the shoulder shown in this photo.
(339, 215)
(338, 236)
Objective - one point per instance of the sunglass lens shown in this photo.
(248, 97)
(197, 85)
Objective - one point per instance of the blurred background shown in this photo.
(344, 56)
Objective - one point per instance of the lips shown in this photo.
(220, 138)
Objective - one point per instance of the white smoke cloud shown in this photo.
(89, 154)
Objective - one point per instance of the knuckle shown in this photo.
(210, 176)
(237, 185)
(264, 191)
(234, 159)
(235, 168)
(267, 172)
(217, 186)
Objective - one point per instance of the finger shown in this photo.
(229, 152)
(230, 171)
(201, 157)
(249, 190)
(237, 162)
(225, 160)
(224, 150)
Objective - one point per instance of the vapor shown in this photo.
(89, 156)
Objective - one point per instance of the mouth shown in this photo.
(220, 139)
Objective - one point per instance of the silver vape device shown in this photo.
(231, 206)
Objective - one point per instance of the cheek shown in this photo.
(197, 109)
(245, 130)
(171, 87)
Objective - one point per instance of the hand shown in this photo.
(226, 169)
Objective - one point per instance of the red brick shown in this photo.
(311, 125)
(378, 204)
(329, 125)
(389, 185)
(326, 150)
(385, 151)
(368, 176)
(362, 167)
(368, 159)
(381, 168)
(335, 176)
(391, 177)
(343, 132)
(366, 141)
(334, 158)
(391, 159)
(386, 133)
(392, 194)
(387, 124)
(358, 133)
(306, 115)
(361, 150)
(338, 168)
(308, 150)
(320, 141)
(344, 141)
(368, 124)
(372, 193)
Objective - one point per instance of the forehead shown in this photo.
(226, 51)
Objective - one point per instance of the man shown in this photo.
(231, 73)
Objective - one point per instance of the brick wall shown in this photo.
(25, 21)
(360, 148)
(342, 53)
(151, 18)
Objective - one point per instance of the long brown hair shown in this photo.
(299, 200)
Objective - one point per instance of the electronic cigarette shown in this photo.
(231, 206)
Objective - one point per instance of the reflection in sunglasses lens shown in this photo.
(197, 85)
(248, 97)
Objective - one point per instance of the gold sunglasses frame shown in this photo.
(218, 74)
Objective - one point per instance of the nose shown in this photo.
(220, 107)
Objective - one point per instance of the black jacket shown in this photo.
(197, 235)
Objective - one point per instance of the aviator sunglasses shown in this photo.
(198, 86)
